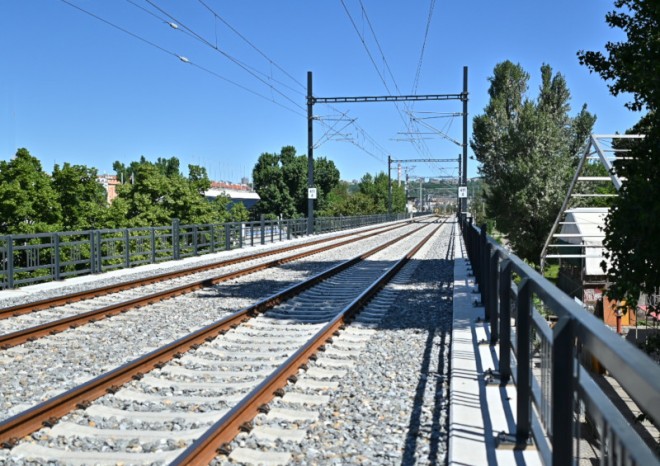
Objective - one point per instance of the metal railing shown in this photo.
(558, 385)
(35, 258)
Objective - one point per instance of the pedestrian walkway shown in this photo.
(478, 413)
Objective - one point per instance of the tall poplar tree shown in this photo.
(528, 152)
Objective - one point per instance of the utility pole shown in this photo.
(463, 206)
(389, 185)
(310, 155)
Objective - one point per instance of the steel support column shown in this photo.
(310, 153)
(465, 134)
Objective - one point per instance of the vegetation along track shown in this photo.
(73, 317)
(209, 371)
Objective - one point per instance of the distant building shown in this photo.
(237, 193)
(110, 183)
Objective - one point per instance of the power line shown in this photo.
(421, 55)
(226, 55)
(126, 31)
(420, 145)
(180, 57)
(270, 60)
(380, 75)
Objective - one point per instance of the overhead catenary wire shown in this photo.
(172, 22)
(419, 145)
(226, 55)
(247, 41)
(421, 55)
(192, 34)
(182, 58)
(301, 85)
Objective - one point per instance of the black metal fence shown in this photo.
(557, 369)
(35, 258)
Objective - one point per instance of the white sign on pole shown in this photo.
(311, 193)
(462, 192)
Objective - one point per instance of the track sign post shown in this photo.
(311, 193)
(462, 192)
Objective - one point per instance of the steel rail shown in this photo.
(205, 448)
(51, 410)
(19, 337)
(48, 303)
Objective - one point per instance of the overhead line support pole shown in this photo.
(310, 153)
(464, 98)
(389, 185)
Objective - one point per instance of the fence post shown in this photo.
(482, 259)
(10, 262)
(127, 250)
(93, 263)
(493, 288)
(194, 233)
(563, 381)
(176, 253)
(523, 381)
(288, 229)
(505, 321)
(99, 252)
(212, 238)
(56, 245)
(227, 237)
(262, 225)
(153, 245)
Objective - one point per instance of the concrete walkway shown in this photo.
(477, 413)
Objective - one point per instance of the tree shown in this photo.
(198, 178)
(528, 152)
(632, 227)
(158, 193)
(28, 202)
(81, 197)
(281, 182)
(269, 183)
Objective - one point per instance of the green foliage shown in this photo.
(158, 193)
(631, 65)
(632, 227)
(371, 197)
(281, 182)
(28, 202)
(238, 213)
(528, 153)
(81, 197)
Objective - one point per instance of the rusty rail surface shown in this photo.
(49, 411)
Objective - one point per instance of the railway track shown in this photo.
(64, 312)
(208, 377)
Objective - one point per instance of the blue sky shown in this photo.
(75, 89)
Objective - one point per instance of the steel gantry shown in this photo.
(312, 100)
(389, 173)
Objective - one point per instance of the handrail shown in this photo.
(554, 384)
